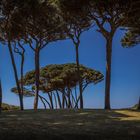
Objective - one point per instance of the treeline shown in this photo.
(37, 23)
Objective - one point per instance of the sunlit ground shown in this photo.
(78, 124)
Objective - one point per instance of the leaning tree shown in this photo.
(17, 35)
(41, 26)
(59, 83)
(20, 50)
(9, 7)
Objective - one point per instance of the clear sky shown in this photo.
(125, 86)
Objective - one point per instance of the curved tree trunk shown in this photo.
(59, 100)
(108, 72)
(37, 74)
(51, 100)
(21, 54)
(16, 75)
(43, 102)
(79, 77)
(0, 97)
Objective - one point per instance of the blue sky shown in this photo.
(125, 86)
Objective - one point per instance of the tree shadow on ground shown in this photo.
(71, 125)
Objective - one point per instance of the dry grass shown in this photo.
(70, 124)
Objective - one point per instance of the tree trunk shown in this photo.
(64, 100)
(59, 100)
(16, 75)
(22, 70)
(79, 77)
(55, 100)
(69, 99)
(139, 104)
(51, 100)
(43, 102)
(76, 98)
(108, 72)
(22, 66)
(37, 76)
(0, 97)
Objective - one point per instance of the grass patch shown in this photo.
(71, 124)
(9, 107)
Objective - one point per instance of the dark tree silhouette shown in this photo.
(109, 16)
(21, 52)
(0, 79)
(139, 104)
(76, 21)
(0, 97)
(16, 75)
(44, 29)
(41, 26)
(8, 34)
(132, 36)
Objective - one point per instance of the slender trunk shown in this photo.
(43, 102)
(16, 75)
(139, 104)
(59, 100)
(55, 100)
(43, 99)
(37, 76)
(69, 99)
(22, 66)
(64, 100)
(79, 77)
(76, 97)
(22, 70)
(51, 97)
(108, 72)
(51, 101)
(76, 104)
(0, 97)
(73, 100)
